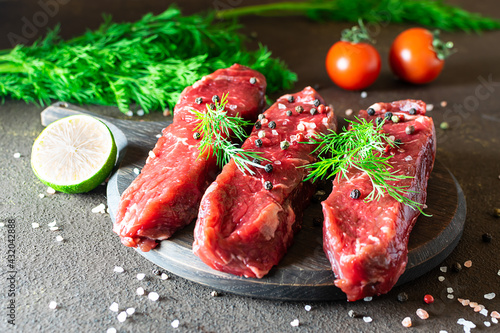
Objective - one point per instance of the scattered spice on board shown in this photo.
(118, 269)
(295, 323)
(153, 296)
(422, 314)
(175, 323)
(114, 307)
(53, 305)
(406, 322)
(468, 263)
(141, 276)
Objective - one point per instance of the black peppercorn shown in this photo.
(402, 297)
(199, 100)
(412, 111)
(215, 99)
(288, 113)
(258, 125)
(268, 168)
(211, 107)
(313, 111)
(371, 111)
(272, 124)
(291, 99)
(256, 161)
(388, 115)
(379, 120)
(299, 109)
(456, 267)
(487, 237)
(353, 314)
(268, 185)
(316, 102)
(355, 194)
(253, 80)
(398, 142)
(156, 271)
(258, 143)
(196, 135)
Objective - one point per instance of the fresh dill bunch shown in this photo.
(146, 63)
(216, 128)
(431, 13)
(360, 147)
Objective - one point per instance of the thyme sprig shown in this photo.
(431, 13)
(361, 147)
(143, 64)
(216, 128)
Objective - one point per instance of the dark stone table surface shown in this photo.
(78, 273)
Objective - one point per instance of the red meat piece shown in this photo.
(244, 228)
(367, 242)
(166, 195)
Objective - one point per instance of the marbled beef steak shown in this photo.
(166, 195)
(366, 242)
(247, 222)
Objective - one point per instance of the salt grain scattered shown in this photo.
(141, 276)
(101, 208)
(348, 112)
(443, 104)
(140, 112)
(175, 323)
(490, 296)
(114, 307)
(364, 94)
(129, 113)
(368, 299)
(487, 324)
(295, 323)
(50, 190)
(137, 171)
(484, 312)
(59, 238)
(214, 293)
(473, 304)
(158, 136)
(479, 308)
(367, 319)
(441, 278)
(494, 320)
(52, 305)
(450, 296)
(164, 276)
(111, 330)
(430, 107)
(41, 195)
(54, 228)
(443, 269)
(130, 311)
(443, 331)
(153, 296)
(422, 314)
(151, 154)
(468, 263)
(140, 291)
(17, 155)
(307, 308)
(465, 302)
(495, 314)
(498, 273)
(467, 324)
(35, 225)
(406, 322)
(118, 269)
(122, 317)
(449, 290)
(52, 224)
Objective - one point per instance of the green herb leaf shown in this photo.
(360, 147)
(216, 128)
(145, 63)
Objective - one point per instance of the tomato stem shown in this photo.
(357, 34)
(443, 49)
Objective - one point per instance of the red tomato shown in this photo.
(353, 66)
(413, 58)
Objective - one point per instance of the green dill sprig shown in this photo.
(216, 128)
(144, 64)
(360, 147)
(430, 13)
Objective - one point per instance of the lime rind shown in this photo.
(74, 154)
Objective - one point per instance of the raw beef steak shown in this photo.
(166, 195)
(366, 242)
(247, 222)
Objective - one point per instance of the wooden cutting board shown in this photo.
(304, 273)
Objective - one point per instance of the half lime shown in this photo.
(74, 154)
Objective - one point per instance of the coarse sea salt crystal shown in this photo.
(484, 312)
(17, 155)
(175, 323)
(140, 291)
(307, 308)
(495, 314)
(368, 299)
(443, 269)
(41, 195)
(441, 278)
(137, 171)
(164, 276)
(130, 311)
(111, 330)
(295, 323)
(466, 324)
(99, 209)
(54, 228)
(449, 290)
(494, 320)
(141, 276)
(140, 112)
(364, 94)
(118, 269)
(487, 324)
(281, 106)
(35, 225)
(50, 190)
(59, 238)
(443, 331)
(468, 263)
(114, 307)
(151, 154)
(489, 295)
(53, 305)
(422, 314)
(367, 319)
(406, 322)
(153, 296)
(52, 224)
(158, 136)
(122, 316)
(450, 296)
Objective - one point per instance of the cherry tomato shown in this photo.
(417, 56)
(353, 66)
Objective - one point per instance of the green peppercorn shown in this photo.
(199, 100)
(196, 135)
(284, 145)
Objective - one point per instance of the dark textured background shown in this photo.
(78, 273)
